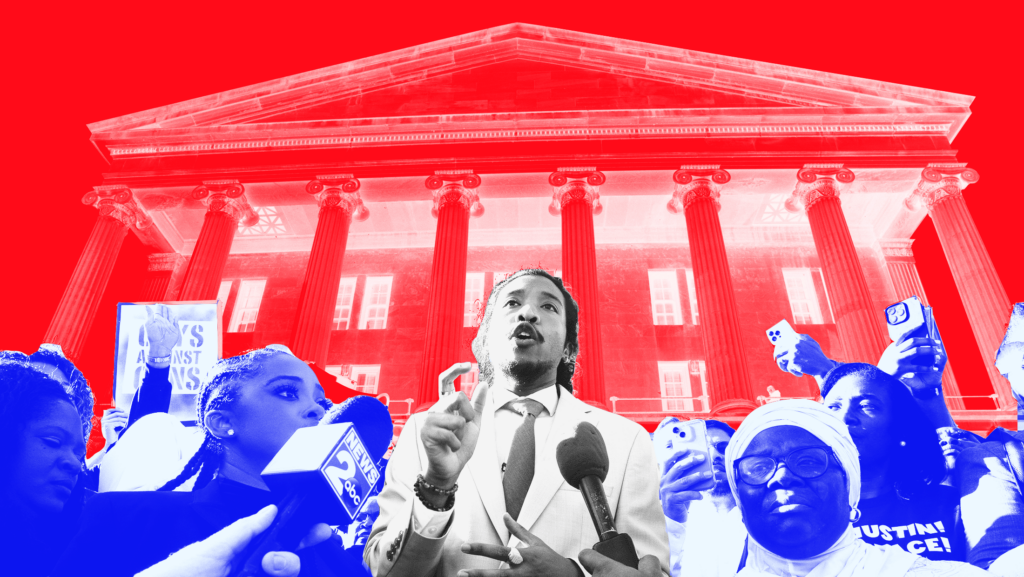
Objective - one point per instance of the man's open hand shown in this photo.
(539, 560)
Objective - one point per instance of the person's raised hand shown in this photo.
(215, 555)
(918, 362)
(162, 330)
(112, 424)
(539, 560)
(600, 566)
(452, 428)
(803, 357)
(678, 481)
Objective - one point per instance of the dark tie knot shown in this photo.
(526, 407)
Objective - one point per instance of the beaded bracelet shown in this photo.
(419, 495)
(422, 481)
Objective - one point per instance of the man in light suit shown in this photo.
(469, 481)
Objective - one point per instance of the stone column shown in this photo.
(899, 260)
(983, 295)
(163, 266)
(226, 207)
(455, 200)
(339, 202)
(858, 323)
(118, 211)
(577, 198)
(698, 189)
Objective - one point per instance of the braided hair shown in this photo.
(219, 391)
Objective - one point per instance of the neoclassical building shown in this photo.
(361, 213)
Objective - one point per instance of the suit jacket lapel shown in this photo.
(546, 477)
(483, 467)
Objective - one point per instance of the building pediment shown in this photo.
(521, 82)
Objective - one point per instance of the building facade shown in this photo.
(361, 214)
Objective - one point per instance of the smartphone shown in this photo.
(781, 333)
(672, 438)
(906, 319)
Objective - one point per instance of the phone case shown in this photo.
(781, 333)
(904, 318)
(693, 435)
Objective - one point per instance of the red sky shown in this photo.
(66, 67)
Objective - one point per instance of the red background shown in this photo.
(69, 66)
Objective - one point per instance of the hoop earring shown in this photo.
(854, 515)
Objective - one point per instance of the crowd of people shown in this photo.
(874, 478)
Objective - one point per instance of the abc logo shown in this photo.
(897, 313)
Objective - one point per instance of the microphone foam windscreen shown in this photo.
(370, 418)
(582, 455)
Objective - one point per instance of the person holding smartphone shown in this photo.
(704, 527)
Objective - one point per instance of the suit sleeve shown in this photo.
(394, 548)
(639, 511)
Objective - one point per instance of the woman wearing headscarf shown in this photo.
(795, 473)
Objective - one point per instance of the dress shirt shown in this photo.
(432, 523)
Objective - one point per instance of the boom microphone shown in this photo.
(583, 462)
(323, 474)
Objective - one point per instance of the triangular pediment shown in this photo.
(521, 81)
(522, 85)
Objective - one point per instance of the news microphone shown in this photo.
(583, 462)
(323, 474)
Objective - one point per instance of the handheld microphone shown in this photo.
(323, 474)
(583, 462)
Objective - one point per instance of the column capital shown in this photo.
(456, 186)
(695, 181)
(340, 190)
(576, 184)
(227, 196)
(118, 202)
(816, 182)
(939, 181)
(163, 261)
(897, 248)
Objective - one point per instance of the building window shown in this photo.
(247, 306)
(691, 290)
(343, 306)
(363, 378)
(665, 297)
(474, 299)
(468, 381)
(803, 296)
(685, 379)
(376, 301)
(270, 223)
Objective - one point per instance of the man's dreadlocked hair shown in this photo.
(219, 391)
(566, 366)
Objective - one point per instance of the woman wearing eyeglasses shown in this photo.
(795, 473)
(902, 499)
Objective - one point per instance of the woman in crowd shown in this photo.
(902, 499)
(248, 408)
(795, 473)
(39, 503)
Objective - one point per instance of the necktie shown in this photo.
(519, 467)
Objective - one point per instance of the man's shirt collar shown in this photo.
(547, 397)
